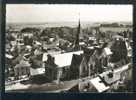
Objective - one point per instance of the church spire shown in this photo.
(78, 30)
(77, 36)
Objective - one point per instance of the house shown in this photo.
(99, 85)
(111, 77)
(37, 43)
(8, 56)
(81, 43)
(8, 63)
(23, 68)
(95, 84)
(107, 51)
(13, 43)
(37, 71)
(106, 81)
(20, 41)
(91, 38)
(51, 39)
(28, 34)
(13, 32)
(37, 65)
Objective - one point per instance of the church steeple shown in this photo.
(79, 27)
(78, 33)
(76, 44)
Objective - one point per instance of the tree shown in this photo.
(30, 30)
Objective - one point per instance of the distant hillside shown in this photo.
(62, 24)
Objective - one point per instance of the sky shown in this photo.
(36, 13)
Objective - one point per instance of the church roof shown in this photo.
(65, 59)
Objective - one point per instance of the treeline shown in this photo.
(69, 33)
(115, 25)
(61, 32)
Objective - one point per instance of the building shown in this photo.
(37, 65)
(92, 85)
(57, 65)
(106, 81)
(23, 68)
(76, 43)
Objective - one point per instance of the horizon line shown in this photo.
(74, 21)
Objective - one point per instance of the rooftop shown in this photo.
(65, 59)
(96, 82)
